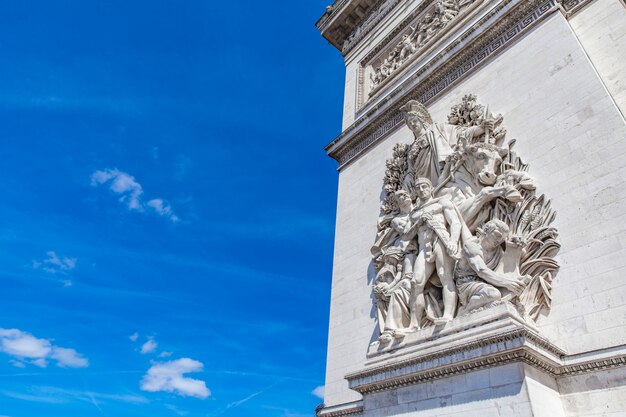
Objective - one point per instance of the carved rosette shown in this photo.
(505, 250)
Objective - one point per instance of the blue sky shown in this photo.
(167, 207)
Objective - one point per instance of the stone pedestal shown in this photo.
(490, 363)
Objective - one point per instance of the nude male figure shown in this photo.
(437, 225)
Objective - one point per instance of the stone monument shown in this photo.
(467, 126)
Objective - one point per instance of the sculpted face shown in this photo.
(424, 190)
(495, 233)
(404, 200)
(416, 125)
(493, 239)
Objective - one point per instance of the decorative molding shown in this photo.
(360, 81)
(594, 365)
(325, 19)
(368, 24)
(371, 127)
(512, 346)
(341, 19)
(571, 7)
(520, 345)
(352, 409)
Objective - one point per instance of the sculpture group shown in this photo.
(436, 19)
(461, 226)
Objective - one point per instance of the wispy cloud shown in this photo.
(163, 208)
(133, 337)
(237, 403)
(121, 183)
(319, 391)
(54, 263)
(131, 193)
(25, 347)
(55, 395)
(169, 377)
(175, 409)
(149, 347)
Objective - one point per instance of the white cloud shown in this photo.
(23, 345)
(41, 362)
(56, 264)
(17, 364)
(28, 348)
(120, 183)
(319, 391)
(163, 208)
(68, 358)
(168, 377)
(131, 192)
(133, 337)
(165, 354)
(149, 347)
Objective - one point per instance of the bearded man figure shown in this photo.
(479, 276)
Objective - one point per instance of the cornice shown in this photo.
(512, 346)
(342, 411)
(520, 345)
(342, 17)
(512, 18)
(369, 24)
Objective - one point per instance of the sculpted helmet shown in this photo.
(416, 109)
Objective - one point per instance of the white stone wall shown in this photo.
(572, 135)
(513, 390)
(601, 29)
(491, 393)
(350, 94)
(594, 395)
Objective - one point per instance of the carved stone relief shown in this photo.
(462, 227)
(419, 34)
